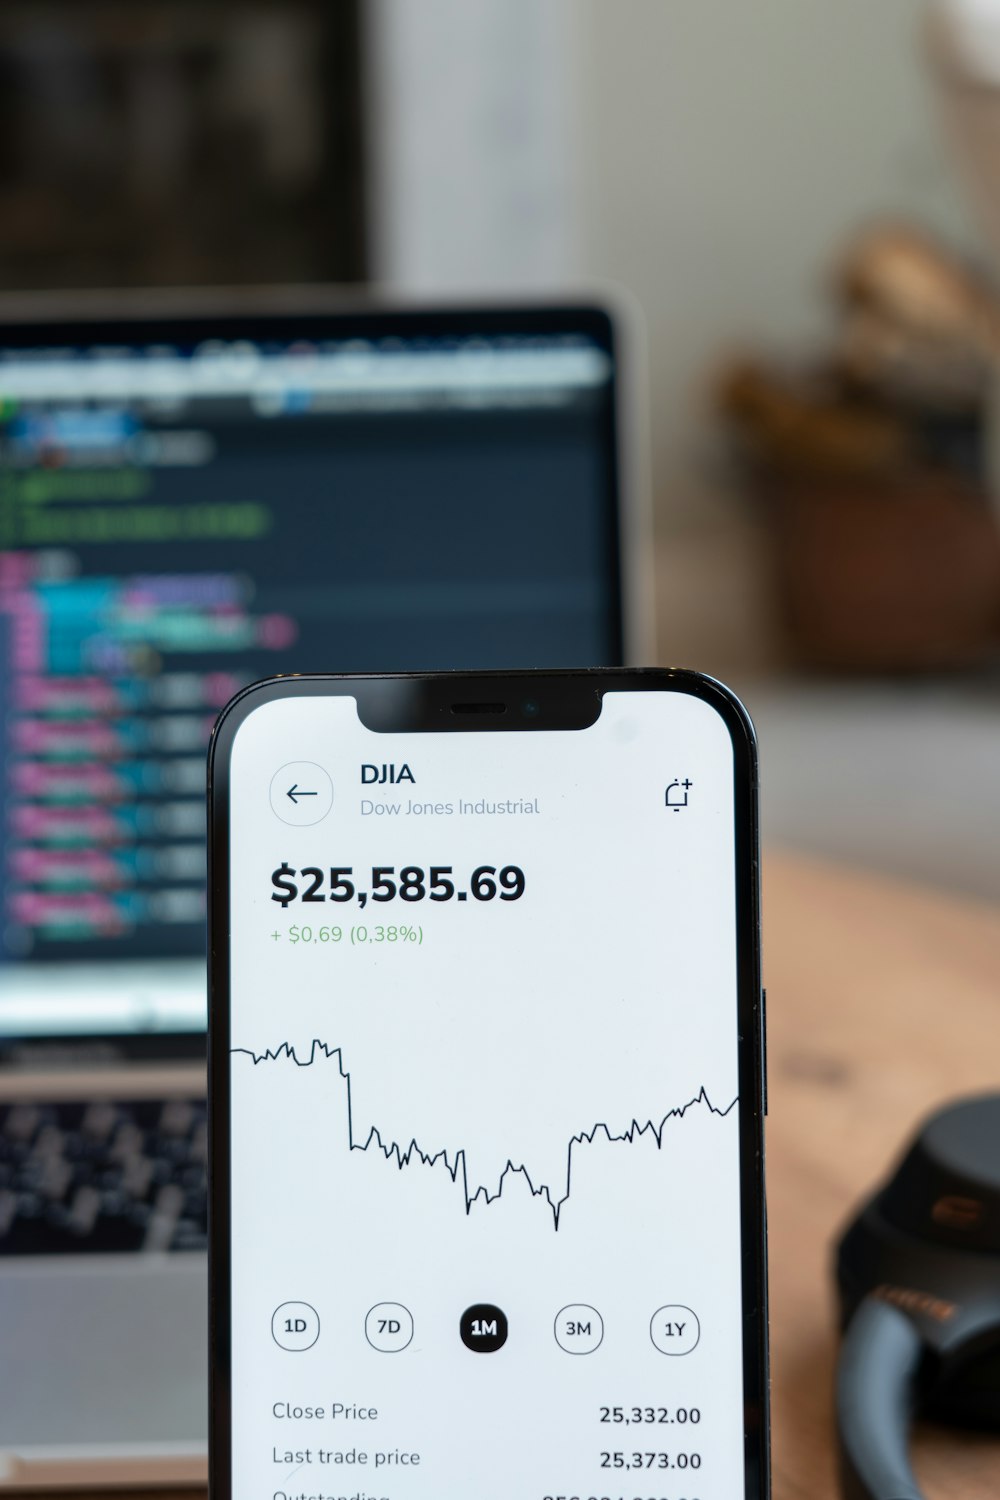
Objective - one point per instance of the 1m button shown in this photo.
(483, 1328)
(301, 793)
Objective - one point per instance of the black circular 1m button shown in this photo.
(483, 1328)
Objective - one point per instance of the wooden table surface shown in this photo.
(883, 1001)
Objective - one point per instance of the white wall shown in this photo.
(731, 147)
(472, 112)
(709, 155)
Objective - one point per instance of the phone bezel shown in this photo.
(420, 702)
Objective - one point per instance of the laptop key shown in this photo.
(105, 1176)
(8, 1210)
(22, 1122)
(99, 1120)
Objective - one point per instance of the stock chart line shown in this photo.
(455, 1164)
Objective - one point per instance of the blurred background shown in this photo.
(796, 199)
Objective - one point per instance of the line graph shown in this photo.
(455, 1162)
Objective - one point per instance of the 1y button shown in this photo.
(674, 1329)
(301, 793)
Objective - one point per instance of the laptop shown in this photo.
(196, 493)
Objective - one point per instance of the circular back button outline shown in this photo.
(295, 822)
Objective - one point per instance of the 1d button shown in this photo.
(295, 1326)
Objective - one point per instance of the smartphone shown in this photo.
(486, 1090)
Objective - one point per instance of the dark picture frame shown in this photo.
(173, 144)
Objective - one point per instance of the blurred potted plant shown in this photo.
(872, 466)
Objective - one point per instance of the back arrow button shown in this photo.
(301, 793)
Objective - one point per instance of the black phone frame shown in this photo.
(424, 702)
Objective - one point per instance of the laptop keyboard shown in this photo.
(105, 1176)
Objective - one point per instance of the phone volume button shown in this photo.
(763, 1050)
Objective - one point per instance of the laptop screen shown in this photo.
(186, 507)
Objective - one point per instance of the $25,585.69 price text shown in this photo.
(412, 883)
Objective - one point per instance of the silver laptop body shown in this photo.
(117, 415)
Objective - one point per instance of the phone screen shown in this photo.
(487, 1227)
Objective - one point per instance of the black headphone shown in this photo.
(919, 1278)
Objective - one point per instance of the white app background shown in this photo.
(542, 1099)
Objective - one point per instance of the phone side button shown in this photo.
(763, 1049)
